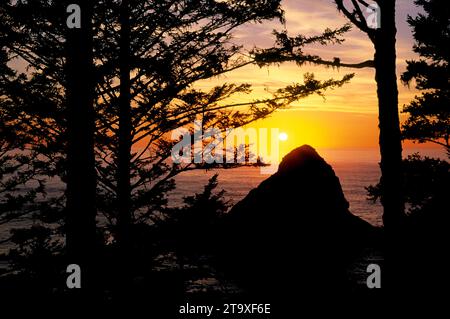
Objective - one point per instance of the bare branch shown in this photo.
(352, 16)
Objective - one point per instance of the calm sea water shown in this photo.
(356, 170)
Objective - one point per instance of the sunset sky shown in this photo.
(348, 116)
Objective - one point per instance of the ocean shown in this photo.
(356, 169)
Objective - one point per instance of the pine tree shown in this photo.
(429, 114)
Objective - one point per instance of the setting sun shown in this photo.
(283, 137)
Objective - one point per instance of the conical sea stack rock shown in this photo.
(293, 229)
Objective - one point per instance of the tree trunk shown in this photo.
(81, 175)
(389, 123)
(123, 175)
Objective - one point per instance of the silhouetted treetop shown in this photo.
(429, 113)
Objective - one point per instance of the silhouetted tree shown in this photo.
(81, 174)
(15, 159)
(32, 141)
(429, 114)
(31, 109)
(426, 179)
(383, 38)
(125, 130)
(170, 47)
(192, 228)
(142, 92)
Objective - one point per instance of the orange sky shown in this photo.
(348, 116)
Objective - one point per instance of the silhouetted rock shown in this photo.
(294, 231)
